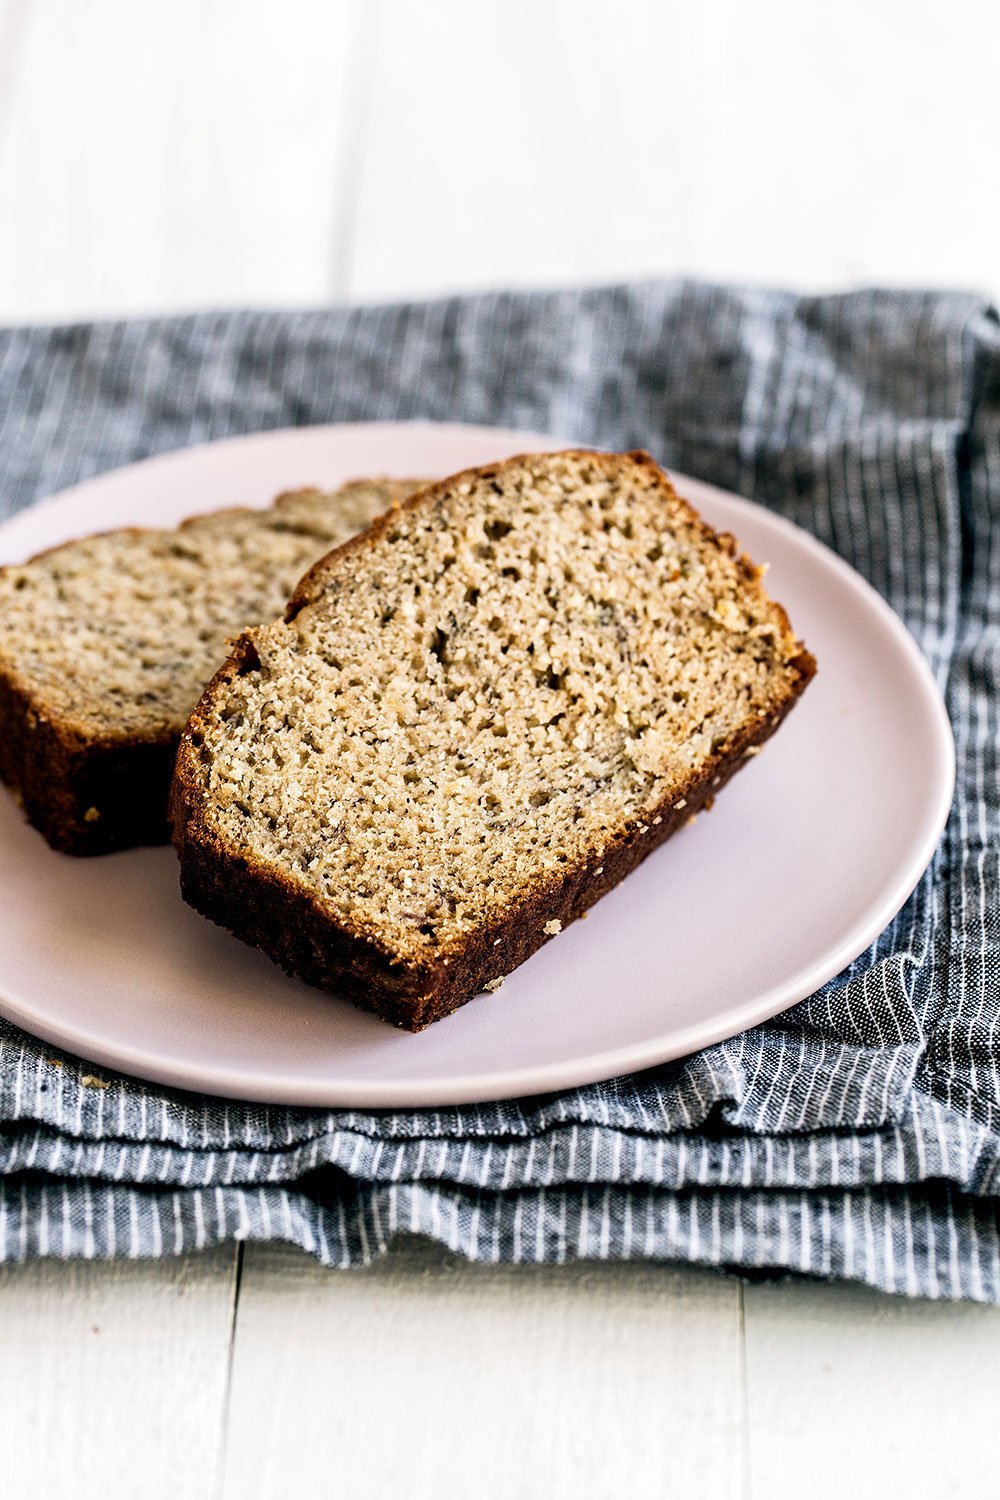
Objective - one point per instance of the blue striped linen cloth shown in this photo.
(857, 1135)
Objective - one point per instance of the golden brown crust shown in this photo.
(265, 907)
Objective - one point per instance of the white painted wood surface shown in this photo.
(172, 155)
(183, 153)
(424, 1376)
(434, 1379)
(773, 142)
(113, 1377)
(854, 1393)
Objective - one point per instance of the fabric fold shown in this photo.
(857, 1135)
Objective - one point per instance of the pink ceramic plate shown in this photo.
(807, 856)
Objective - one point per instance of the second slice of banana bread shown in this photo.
(107, 643)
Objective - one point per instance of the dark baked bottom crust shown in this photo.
(58, 776)
(265, 908)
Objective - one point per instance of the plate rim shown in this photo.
(576, 1072)
(82, 488)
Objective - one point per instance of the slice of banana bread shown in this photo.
(474, 719)
(106, 645)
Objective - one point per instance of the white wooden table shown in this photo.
(182, 153)
(257, 1374)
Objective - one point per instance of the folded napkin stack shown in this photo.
(858, 1135)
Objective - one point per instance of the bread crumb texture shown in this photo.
(504, 680)
(115, 636)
